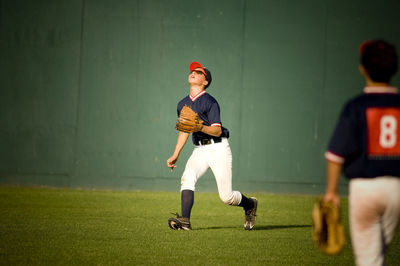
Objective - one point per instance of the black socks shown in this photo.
(187, 199)
(246, 203)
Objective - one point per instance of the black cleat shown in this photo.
(179, 223)
(250, 216)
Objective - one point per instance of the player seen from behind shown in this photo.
(366, 146)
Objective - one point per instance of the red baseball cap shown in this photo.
(205, 71)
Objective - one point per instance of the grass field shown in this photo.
(44, 226)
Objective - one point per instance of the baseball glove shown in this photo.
(327, 231)
(189, 121)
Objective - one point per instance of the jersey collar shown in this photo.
(197, 96)
(380, 89)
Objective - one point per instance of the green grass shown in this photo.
(43, 226)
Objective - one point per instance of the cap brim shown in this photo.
(195, 65)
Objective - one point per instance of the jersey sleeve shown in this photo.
(214, 114)
(179, 107)
(344, 141)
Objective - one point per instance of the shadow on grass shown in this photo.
(272, 227)
(257, 227)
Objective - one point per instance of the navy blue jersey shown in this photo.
(208, 110)
(367, 137)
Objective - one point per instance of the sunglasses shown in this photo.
(198, 72)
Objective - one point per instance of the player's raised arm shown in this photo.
(215, 131)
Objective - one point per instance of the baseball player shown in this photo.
(211, 150)
(366, 146)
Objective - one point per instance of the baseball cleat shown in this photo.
(179, 223)
(250, 216)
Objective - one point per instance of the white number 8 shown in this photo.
(388, 135)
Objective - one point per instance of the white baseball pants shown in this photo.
(374, 213)
(218, 157)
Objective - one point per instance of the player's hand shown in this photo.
(333, 198)
(171, 162)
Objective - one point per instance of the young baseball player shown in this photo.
(366, 146)
(211, 150)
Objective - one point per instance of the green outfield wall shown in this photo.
(88, 88)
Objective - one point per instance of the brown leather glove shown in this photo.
(189, 121)
(327, 231)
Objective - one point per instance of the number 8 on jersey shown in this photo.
(383, 131)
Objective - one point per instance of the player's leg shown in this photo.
(391, 216)
(220, 163)
(195, 167)
(365, 208)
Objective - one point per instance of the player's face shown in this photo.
(197, 77)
